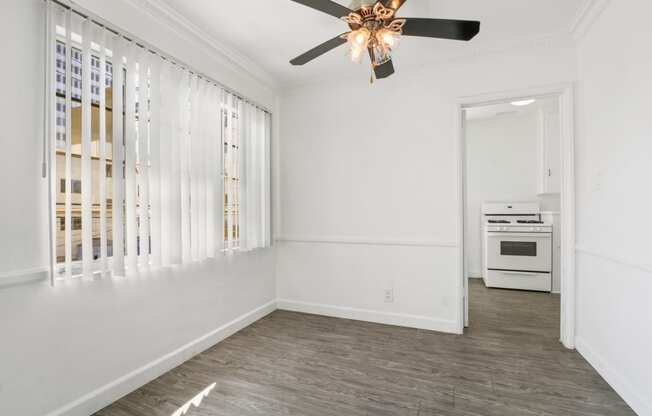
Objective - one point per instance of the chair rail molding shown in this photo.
(621, 260)
(587, 14)
(15, 277)
(368, 241)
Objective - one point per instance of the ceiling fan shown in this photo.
(375, 28)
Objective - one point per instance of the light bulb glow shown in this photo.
(523, 103)
(359, 38)
(356, 55)
(387, 39)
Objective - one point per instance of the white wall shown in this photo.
(501, 165)
(24, 197)
(59, 344)
(369, 198)
(613, 154)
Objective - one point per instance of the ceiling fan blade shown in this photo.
(326, 6)
(384, 70)
(441, 28)
(318, 50)
(394, 4)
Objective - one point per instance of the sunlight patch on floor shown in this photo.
(195, 401)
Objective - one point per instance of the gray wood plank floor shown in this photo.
(509, 362)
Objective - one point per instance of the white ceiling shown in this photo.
(271, 32)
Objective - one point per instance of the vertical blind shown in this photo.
(151, 164)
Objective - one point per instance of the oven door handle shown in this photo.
(519, 273)
(506, 235)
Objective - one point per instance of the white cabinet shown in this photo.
(549, 153)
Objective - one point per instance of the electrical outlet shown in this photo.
(389, 295)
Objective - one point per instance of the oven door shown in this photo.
(529, 252)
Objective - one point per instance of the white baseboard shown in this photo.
(388, 318)
(637, 401)
(107, 394)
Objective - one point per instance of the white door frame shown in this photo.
(566, 110)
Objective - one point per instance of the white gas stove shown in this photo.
(517, 247)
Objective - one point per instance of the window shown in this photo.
(76, 225)
(69, 157)
(147, 152)
(75, 185)
(246, 131)
(230, 162)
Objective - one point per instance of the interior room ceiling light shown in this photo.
(523, 103)
(374, 30)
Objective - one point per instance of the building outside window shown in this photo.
(231, 157)
(76, 71)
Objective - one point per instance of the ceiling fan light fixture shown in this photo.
(359, 38)
(362, 38)
(356, 55)
(380, 55)
(388, 38)
(359, 41)
(374, 29)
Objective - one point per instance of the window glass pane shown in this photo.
(95, 176)
(61, 205)
(231, 155)
(108, 102)
(76, 179)
(75, 154)
(60, 132)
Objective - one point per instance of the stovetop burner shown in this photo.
(529, 222)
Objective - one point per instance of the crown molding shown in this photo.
(586, 16)
(163, 13)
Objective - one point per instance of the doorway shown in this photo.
(559, 98)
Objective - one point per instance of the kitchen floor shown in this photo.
(509, 362)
